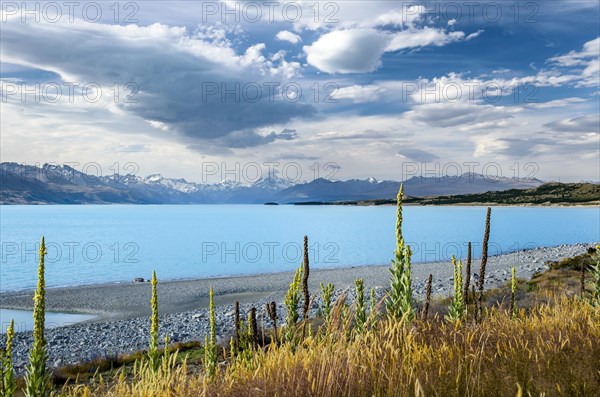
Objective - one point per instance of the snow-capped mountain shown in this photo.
(55, 184)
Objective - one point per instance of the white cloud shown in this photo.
(286, 35)
(347, 51)
(591, 49)
(358, 48)
(474, 35)
(189, 68)
(359, 93)
(421, 38)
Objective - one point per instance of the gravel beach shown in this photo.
(122, 310)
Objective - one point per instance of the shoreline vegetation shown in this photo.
(535, 336)
(549, 194)
(127, 299)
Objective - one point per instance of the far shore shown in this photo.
(130, 300)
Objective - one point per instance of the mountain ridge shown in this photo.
(62, 184)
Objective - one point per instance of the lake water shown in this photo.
(24, 319)
(100, 244)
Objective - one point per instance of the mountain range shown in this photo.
(61, 184)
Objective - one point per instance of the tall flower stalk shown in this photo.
(305, 274)
(9, 385)
(37, 377)
(210, 342)
(467, 275)
(327, 292)
(457, 307)
(484, 258)
(292, 301)
(513, 289)
(153, 354)
(399, 304)
(595, 299)
(361, 312)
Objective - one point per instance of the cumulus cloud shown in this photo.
(286, 35)
(347, 51)
(359, 49)
(201, 93)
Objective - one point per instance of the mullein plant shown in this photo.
(595, 298)
(37, 376)
(292, 301)
(210, 342)
(272, 312)
(153, 353)
(360, 317)
(457, 308)
(8, 374)
(327, 292)
(484, 258)
(467, 275)
(513, 289)
(427, 298)
(399, 304)
(305, 273)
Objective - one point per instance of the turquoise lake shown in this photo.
(106, 244)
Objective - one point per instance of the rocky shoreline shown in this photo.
(127, 331)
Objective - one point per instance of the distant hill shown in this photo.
(52, 184)
(371, 189)
(547, 194)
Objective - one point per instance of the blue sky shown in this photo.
(387, 89)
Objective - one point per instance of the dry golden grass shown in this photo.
(553, 349)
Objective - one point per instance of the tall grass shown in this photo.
(553, 350)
